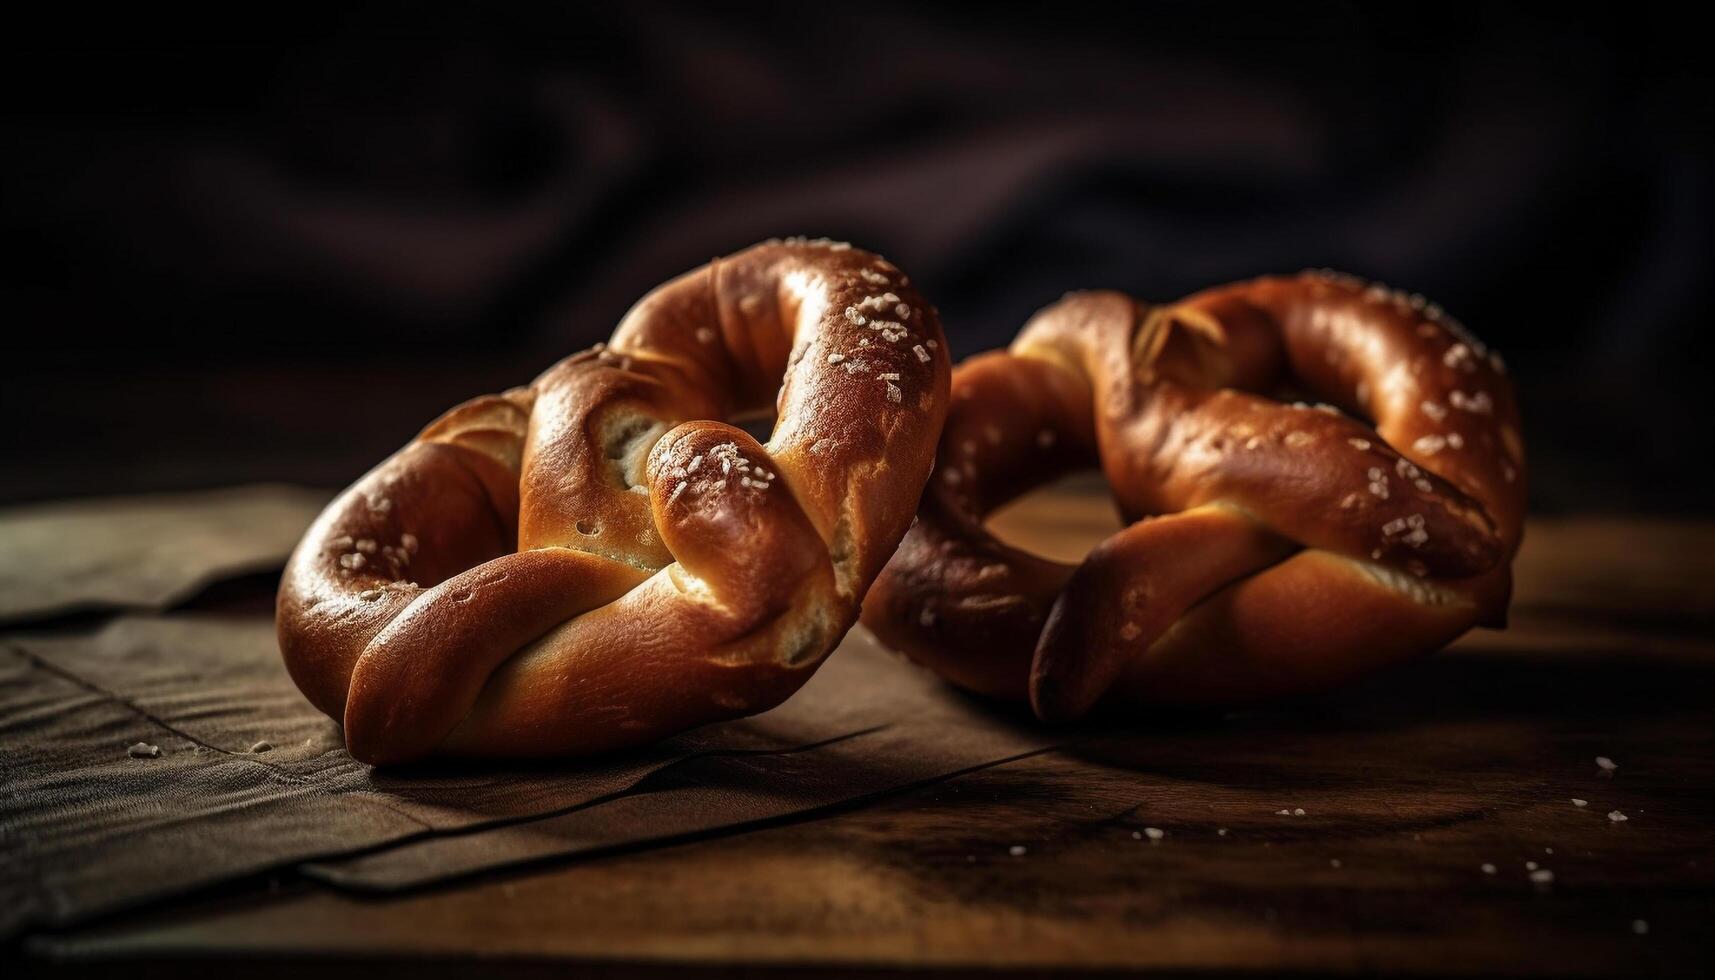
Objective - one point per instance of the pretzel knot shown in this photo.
(1272, 548)
(588, 562)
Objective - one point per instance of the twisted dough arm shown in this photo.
(954, 597)
(1438, 396)
(734, 625)
(1130, 590)
(446, 502)
(603, 569)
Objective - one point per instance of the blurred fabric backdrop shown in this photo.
(275, 253)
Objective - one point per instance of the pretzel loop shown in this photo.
(597, 560)
(1272, 548)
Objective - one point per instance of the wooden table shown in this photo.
(1428, 797)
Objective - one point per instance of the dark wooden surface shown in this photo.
(1410, 783)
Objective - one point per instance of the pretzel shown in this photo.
(1272, 548)
(591, 562)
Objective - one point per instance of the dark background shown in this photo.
(276, 253)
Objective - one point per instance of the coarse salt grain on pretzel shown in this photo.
(1272, 548)
(593, 561)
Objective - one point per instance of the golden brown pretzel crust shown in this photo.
(588, 563)
(1274, 548)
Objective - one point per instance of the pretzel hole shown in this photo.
(759, 426)
(1061, 520)
(1182, 345)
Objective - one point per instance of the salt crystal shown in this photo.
(1430, 445)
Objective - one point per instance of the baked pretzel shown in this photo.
(1272, 548)
(589, 562)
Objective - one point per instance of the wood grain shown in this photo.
(1409, 784)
